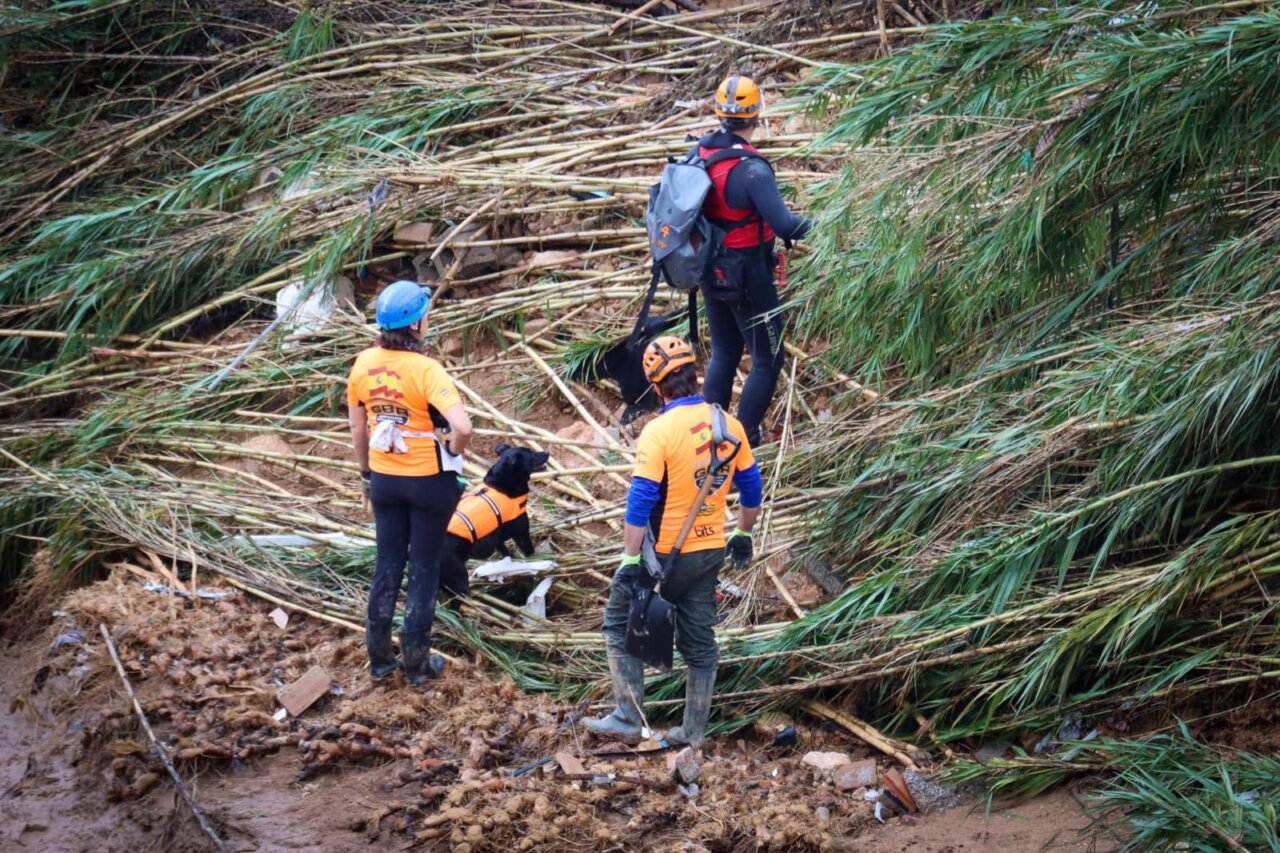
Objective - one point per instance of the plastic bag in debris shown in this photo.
(301, 540)
(304, 308)
(500, 570)
(537, 601)
(207, 594)
(74, 637)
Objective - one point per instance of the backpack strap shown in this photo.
(723, 154)
(720, 156)
(695, 335)
(637, 333)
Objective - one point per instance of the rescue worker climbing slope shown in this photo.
(400, 404)
(742, 300)
(672, 455)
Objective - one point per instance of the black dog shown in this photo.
(622, 363)
(487, 518)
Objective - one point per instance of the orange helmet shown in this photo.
(738, 97)
(663, 355)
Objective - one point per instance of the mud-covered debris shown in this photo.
(788, 736)
(825, 764)
(771, 723)
(896, 785)
(931, 797)
(74, 637)
(414, 234)
(302, 694)
(992, 749)
(859, 774)
(570, 763)
(884, 804)
(685, 766)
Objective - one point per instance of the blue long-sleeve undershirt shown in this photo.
(643, 495)
(750, 486)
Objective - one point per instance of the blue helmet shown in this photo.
(402, 303)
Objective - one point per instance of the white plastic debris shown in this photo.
(207, 594)
(281, 618)
(500, 570)
(537, 601)
(304, 308)
(873, 796)
(730, 588)
(302, 540)
(73, 637)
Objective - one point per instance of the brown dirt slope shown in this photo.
(379, 765)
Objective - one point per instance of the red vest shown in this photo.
(743, 226)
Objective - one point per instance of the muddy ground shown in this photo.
(384, 766)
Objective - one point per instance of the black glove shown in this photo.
(740, 549)
(366, 485)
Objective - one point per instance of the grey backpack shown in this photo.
(681, 239)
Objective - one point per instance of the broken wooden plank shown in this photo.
(303, 693)
(570, 763)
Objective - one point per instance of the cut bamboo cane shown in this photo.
(893, 748)
(157, 746)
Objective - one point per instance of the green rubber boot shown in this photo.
(625, 722)
(699, 686)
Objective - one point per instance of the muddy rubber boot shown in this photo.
(625, 722)
(419, 664)
(377, 640)
(698, 688)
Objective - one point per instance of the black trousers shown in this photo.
(411, 515)
(751, 323)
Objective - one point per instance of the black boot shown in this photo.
(377, 639)
(419, 664)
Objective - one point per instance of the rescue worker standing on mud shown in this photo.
(742, 299)
(409, 429)
(673, 454)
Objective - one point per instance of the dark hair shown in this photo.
(399, 339)
(681, 382)
(732, 124)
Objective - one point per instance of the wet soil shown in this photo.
(380, 765)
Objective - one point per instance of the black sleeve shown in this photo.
(753, 182)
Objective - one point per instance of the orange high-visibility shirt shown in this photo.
(674, 451)
(400, 386)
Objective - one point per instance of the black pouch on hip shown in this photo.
(726, 279)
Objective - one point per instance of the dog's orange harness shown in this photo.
(480, 513)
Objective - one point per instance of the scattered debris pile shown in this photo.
(476, 762)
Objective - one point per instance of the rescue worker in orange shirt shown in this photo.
(673, 452)
(409, 430)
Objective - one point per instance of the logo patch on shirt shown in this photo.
(385, 382)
